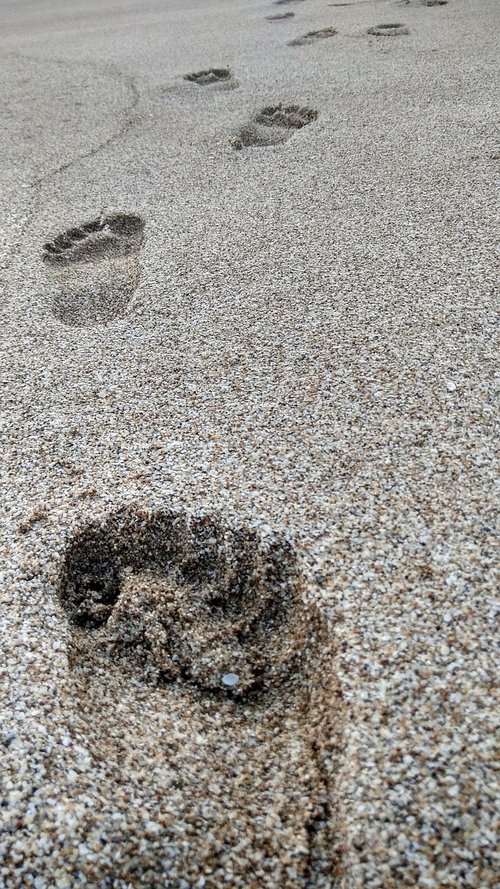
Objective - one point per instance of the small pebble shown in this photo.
(230, 680)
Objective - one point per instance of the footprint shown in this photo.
(194, 600)
(96, 267)
(311, 36)
(280, 16)
(282, 2)
(273, 125)
(212, 620)
(390, 30)
(212, 77)
(355, 3)
(422, 2)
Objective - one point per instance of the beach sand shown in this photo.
(248, 271)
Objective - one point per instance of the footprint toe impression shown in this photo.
(96, 268)
(273, 125)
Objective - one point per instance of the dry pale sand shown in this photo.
(247, 438)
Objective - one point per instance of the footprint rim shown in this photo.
(390, 29)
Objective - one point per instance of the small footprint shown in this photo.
(422, 2)
(311, 36)
(280, 16)
(273, 125)
(389, 30)
(96, 267)
(355, 3)
(211, 619)
(212, 77)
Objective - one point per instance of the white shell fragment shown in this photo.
(230, 680)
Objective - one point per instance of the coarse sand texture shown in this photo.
(248, 444)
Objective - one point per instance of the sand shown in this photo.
(248, 444)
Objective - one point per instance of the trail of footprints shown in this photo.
(161, 588)
(185, 601)
(95, 266)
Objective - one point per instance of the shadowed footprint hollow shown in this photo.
(189, 599)
(96, 269)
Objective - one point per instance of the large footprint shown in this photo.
(190, 600)
(212, 620)
(96, 268)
